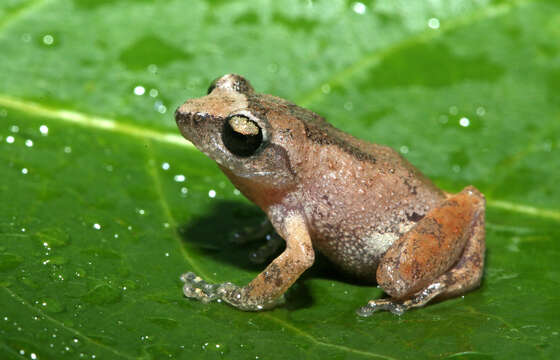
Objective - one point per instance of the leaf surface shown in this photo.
(104, 205)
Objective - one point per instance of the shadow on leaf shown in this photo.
(213, 233)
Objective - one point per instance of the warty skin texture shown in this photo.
(362, 205)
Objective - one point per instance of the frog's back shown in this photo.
(360, 197)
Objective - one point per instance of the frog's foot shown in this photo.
(382, 304)
(399, 307)
(273, 243)
(251, 233)
(196, 288)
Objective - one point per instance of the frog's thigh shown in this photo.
(442, 255)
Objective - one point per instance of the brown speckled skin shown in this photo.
(362, 205)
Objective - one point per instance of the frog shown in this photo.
(361, 205)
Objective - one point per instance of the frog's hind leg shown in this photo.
(442, 256)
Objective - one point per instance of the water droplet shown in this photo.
(79, 273)
(152, 68)
(154, 93)
(184, 190)
(67, 149)
(359, 8)
(52, 237)
(165, 166)
(456, 168)
(24, 171)
(14, 129)
(51, 305)
(433, 23)
(160, 108)
(212, 193)
(348, 106)
(48, 40)
(236, 192)
(10, 139)
(453, 110)
(404, 149)
(464, 122)
(96, 226)
(214, 347)
(44, 130)
(33, 356)
(480, 111)
(29, 143)
(139, 90)
(179, 178)
(141, 211)
(326, 88)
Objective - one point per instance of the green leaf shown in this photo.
(104, 205)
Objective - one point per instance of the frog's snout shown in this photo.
(184, 114)
(190, 122)
(187, 114)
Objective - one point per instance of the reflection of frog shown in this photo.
(360, 204)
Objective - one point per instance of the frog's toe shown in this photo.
(196, 288)
(372, 306)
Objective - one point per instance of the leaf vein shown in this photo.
(374, 58)
(92, 121)
(19, 13)
(152, 170)
(525, 209)
(313, 340)
(65, 327)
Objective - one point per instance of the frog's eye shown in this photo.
(241, 136)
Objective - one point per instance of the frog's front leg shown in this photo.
(442, 256)
(267, 288)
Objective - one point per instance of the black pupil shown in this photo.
(241, 144)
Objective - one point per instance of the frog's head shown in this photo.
(238, 129)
